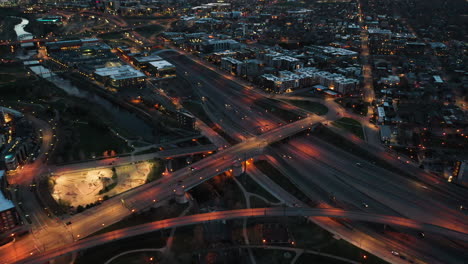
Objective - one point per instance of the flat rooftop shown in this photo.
(119, 72)
(148, 58)
(162, 64)
(5, 204)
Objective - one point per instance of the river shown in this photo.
(123, 118)
(20, 32)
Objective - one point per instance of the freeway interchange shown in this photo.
(234, 214)
(318, 167)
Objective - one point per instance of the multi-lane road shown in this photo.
(235, 214)
(332, 178)
(325, 168)
(117, 208)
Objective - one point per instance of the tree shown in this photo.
(80, 209)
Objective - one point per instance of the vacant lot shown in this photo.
(88, 186)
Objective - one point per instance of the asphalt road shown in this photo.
(238, 115)
(233, 214)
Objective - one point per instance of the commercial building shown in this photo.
(9, 218)
(231, 65)
(154, 65)
(120, 77)
(215, 45)
(162, 68)
(13, 154)
(68, 44)
(142, 60)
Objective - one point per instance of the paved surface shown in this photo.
(233, 108)
(119, 207)
(116, 161)
(234, 214)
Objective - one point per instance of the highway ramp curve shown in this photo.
(235, 214)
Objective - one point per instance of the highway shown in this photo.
(320, 167)
(335, 174)
(232, 104)
(121, 160)
(119, 207)
(235, 214)
(450, 195)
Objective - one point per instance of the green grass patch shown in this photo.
(270, 105)
(282, 181)
(350, 125)
(150, 30)
(315, 258)
(6, 78)
(337, 140)
(273, 256)
(95, 140)
(103, 253)
(138, 258)
(346, 250)
(157, 169)
(187, 239)
(307, 234)
(256, 202)
(108, 187)
(317, 108)
(111, 36)
(198, 111)
(253, 187)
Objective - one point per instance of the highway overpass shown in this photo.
(236, 214)
(115, 161)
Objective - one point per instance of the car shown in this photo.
(421, 234)
(359, 164)
(365, 205)
(395, 253)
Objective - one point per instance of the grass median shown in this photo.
(317, 108)
(350, 125)
(283, 181)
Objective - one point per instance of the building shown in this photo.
(286, 63)
(14, 154)
(385, 133)
(9, 219)
(287, 81)
(381, 114)
(215, 45)
(120, 77)
(153, 65)
(162, 69)
(68, 44)
(415, 48)
(185, 120)
(251, 68)
(461, 172)
(231, 65)
(143, 61)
